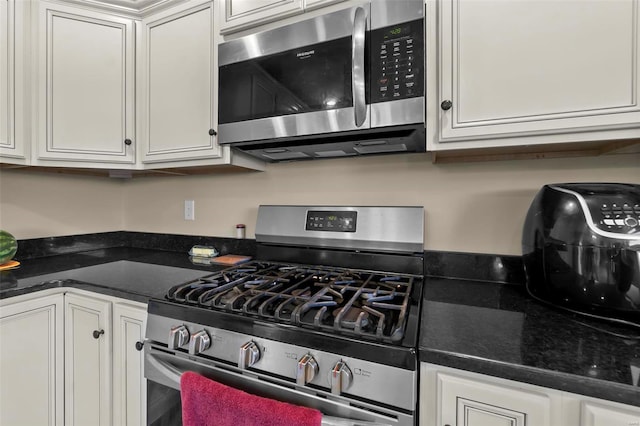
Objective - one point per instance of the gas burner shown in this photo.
(366, 304)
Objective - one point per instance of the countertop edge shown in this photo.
(550, 379)
(74, 284)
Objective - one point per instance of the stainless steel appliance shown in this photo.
(325, 317)
(346, 83)
(581, 248)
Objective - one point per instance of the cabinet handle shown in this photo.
(212, 132)
(446, 105)
(139, 346)
(127, 142)
(97, 333)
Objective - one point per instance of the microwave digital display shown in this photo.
(397, 32)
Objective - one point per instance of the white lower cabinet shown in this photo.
(597, 414)
(87, 344)
(72, 358)
(462, 401)
(31, 362)
(129, 384)
(450, 397)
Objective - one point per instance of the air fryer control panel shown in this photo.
(615, 213)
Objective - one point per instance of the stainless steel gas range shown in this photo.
(326, 317)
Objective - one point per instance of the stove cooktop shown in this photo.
(364, 304)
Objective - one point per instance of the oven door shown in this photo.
(163, 370)
(302, 79)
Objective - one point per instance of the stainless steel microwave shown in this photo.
(346, 83)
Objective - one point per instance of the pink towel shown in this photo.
(209, 403)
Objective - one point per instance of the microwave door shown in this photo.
(308, 79)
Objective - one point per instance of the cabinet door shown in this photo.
(13, 15)
(85, 93)
(465, 402)
(87, 361)
(312, 4)
(530, 67)
(241, 14)
(179, 71)
(31, 362)
(594, 414)
(129, 384)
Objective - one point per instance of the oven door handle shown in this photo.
(166, 374)
(358, 70)
(168, 371)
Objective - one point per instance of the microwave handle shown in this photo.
(357, 72)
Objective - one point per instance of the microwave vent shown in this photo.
(379, 149)
(285, 155)
(333, 153)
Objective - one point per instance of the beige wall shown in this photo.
(470, 207)
(34, 205)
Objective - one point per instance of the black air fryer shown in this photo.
(581, 248)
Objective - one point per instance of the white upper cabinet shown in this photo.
(312, 4)
(179, 68)
(240, 14)
(558, 70)
(86, 86)
(13, 29)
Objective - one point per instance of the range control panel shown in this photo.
(334, 221)
(616, 215)
(397, 62)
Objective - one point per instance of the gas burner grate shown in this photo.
(366, 304)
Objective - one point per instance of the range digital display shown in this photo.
(332, 221)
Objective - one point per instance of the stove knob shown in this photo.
(307, 370)
(199, 343)
(178, 337)
(249, 355)
(341, 378)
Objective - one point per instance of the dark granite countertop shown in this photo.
(484, 327)
(129, 273)
(498, 330)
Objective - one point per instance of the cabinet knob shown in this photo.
(212, 132)
(127, 142)
(97, 333)
(446, 105)
(139, 346)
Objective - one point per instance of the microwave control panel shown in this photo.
(397, 62)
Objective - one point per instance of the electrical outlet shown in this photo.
(189, 210)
